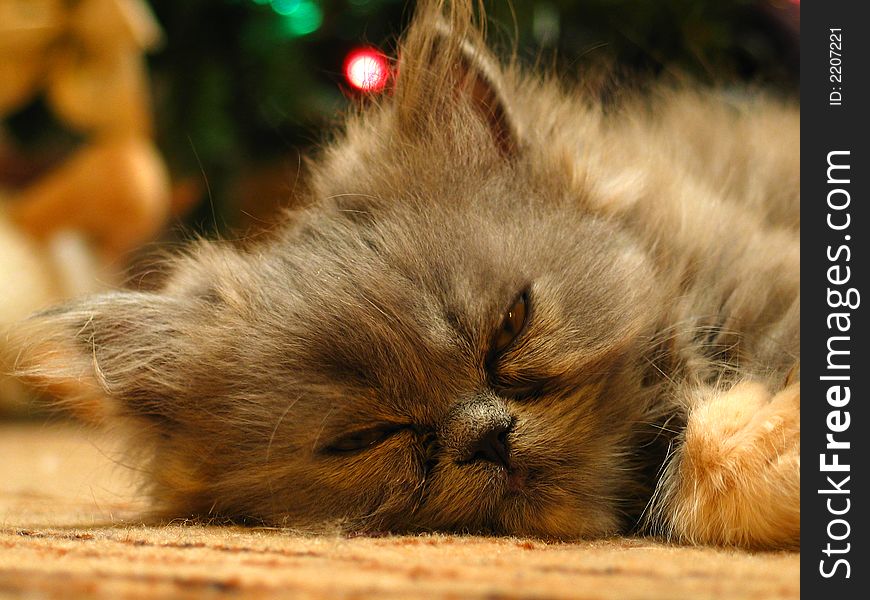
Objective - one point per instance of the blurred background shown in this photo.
(131, 125)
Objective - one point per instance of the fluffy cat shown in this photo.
(503, 309)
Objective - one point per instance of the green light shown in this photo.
(306, 17)
(285, 7)
(262, 1)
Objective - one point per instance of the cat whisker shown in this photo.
(278, 424)
(645, 515)
(322, 425)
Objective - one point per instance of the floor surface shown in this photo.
(70, 526)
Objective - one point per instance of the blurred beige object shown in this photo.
(18, 79)
(29, 24)
(107, 92)
(67, 233)
(28, 281)
(27, 29)
(112, 23)
(114, 191)
(102, 84)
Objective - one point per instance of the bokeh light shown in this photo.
(298, 17)
(367, 70)
(285, 7)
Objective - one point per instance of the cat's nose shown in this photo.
(491, 446)
(478, 431)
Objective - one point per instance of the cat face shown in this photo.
(437, 369)
(446, 370)
(442, 340)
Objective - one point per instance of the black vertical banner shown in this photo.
(835, 371)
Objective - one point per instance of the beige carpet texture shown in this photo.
(71, 526)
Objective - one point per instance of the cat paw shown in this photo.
(738, 477)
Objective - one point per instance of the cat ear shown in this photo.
(116, 354)
(444, 60)
(480, 79)
(136, 354)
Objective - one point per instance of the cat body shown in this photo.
(503, 309)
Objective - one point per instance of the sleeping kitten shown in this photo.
(502, 310)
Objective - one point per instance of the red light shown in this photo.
(367, 70)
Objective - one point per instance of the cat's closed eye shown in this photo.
(361, 439)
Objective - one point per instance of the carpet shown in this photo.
(71, 526)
